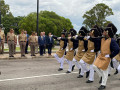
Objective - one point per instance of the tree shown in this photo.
(97, 16)
(9, 21)
(48, 22)
(4, 8)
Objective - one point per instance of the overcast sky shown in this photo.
(72, 9)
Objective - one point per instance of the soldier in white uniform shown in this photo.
(109, 49)
(60, 54)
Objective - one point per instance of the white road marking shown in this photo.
(13, 79)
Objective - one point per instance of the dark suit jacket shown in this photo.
(40, 41)
(50, 41)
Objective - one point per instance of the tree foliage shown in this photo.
(4, 8)
(97, 16)
(9, 21)
(48, 22)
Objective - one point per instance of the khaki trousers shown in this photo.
(36, 48)
(32, 47)
(22, 47)
(2, 47)
(11, 48)
(14, 48)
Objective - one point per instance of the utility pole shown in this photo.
(0, 12)
(37, 17)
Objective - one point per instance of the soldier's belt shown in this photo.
(22, 41)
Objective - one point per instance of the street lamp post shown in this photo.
(0, 12)
(37, 17)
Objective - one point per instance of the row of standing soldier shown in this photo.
(24, 40)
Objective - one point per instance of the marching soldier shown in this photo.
(116, 59)
(60, 54)
(109, 49)
(2, 35)
(22, 41)
(89, 56)
(11, 42)
(71, 49)
(32, 43)
(82, 48)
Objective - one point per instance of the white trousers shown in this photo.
(84, 68)
(115, 63)
(60, 60)
(103, 74)
(118, 68)
(75, 62)
(70, 65)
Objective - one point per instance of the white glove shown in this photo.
(66, 50)
(71, 49)
(69, 37)
(107, 56)
(92, 51)
(51, 35)
(59, 38)
(83, 50)
(76, 36)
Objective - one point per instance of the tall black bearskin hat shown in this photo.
(101, 31)
(83, 31)
(111, 29)
(96, 31)
(64, 31)
(72, 32)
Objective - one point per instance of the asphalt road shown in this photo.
(42, 74)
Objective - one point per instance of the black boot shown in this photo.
(79, 71)
(87, 74)
(73, 67)
(101, 87)
(100, 80)
(60, 69)
(80, 76)
(109, 75)
(116, 72)
(89, 81)
(68, 72)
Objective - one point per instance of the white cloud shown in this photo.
(73, 9)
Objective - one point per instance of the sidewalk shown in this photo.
(27, 56)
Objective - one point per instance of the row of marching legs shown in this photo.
(89, 69)
(82, 66)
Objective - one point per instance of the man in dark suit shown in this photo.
(44, 50)
(26, 47)
(50, 43)
(41, 42)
